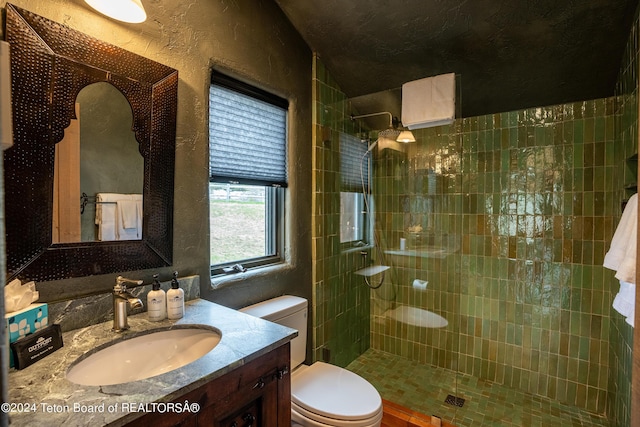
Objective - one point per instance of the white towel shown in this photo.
(624, 301)
(109, 216)
(622, 253)
(128, 213)
(129, 217)
(429, 102)
(632, 314)
(622, 258)
(106, 216)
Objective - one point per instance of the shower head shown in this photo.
(390, 133)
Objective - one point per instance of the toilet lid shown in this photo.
(334, 392)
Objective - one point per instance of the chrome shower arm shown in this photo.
(362, 116)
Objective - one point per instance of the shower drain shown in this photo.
(454, 400)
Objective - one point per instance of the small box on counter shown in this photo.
(26, 321)
(28, 350)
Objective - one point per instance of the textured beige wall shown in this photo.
(252, 40)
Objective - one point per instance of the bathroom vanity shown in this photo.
(255, 394)
(244, 380)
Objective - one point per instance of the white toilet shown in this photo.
(322, 395)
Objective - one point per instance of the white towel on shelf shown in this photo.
(621, 257)
(429, 102)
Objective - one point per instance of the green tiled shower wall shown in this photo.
(621, 334)
(524, 204)
(340, 299)
(515, 212)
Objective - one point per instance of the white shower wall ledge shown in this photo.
(372, 270)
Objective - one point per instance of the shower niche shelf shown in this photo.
(372, 270)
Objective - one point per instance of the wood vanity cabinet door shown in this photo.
(257, 394)
(261, 396)
(248, 407)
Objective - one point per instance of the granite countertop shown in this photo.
(40, 395)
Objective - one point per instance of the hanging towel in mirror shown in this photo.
(112, 214)
(106, 216)
(129, 217)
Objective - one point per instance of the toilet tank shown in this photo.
(289, 311)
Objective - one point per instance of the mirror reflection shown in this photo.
(99, 171)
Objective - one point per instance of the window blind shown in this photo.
(353, 156)
(247, 138)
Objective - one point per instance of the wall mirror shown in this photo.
(109, 163)
(50, 65)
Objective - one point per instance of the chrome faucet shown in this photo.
(122, 298)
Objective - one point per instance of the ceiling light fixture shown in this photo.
(130, 11)
(406, 136)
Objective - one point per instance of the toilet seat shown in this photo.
(300, 417)
(327, 395)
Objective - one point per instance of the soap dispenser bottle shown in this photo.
(175, 299)
(156, 302)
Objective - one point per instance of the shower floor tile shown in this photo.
(424, 389)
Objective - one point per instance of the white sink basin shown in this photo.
(143, 356)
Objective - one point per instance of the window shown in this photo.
(352, 217)
(247, 175)
(354, 177)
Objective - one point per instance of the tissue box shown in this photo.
(26, 321)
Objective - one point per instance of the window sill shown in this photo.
(220, 281)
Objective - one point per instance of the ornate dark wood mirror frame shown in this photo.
(50, 64)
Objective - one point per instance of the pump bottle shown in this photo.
(156, 302)
(175, 299)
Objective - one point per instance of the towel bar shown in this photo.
(85, 200)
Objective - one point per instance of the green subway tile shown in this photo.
(532, 182)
